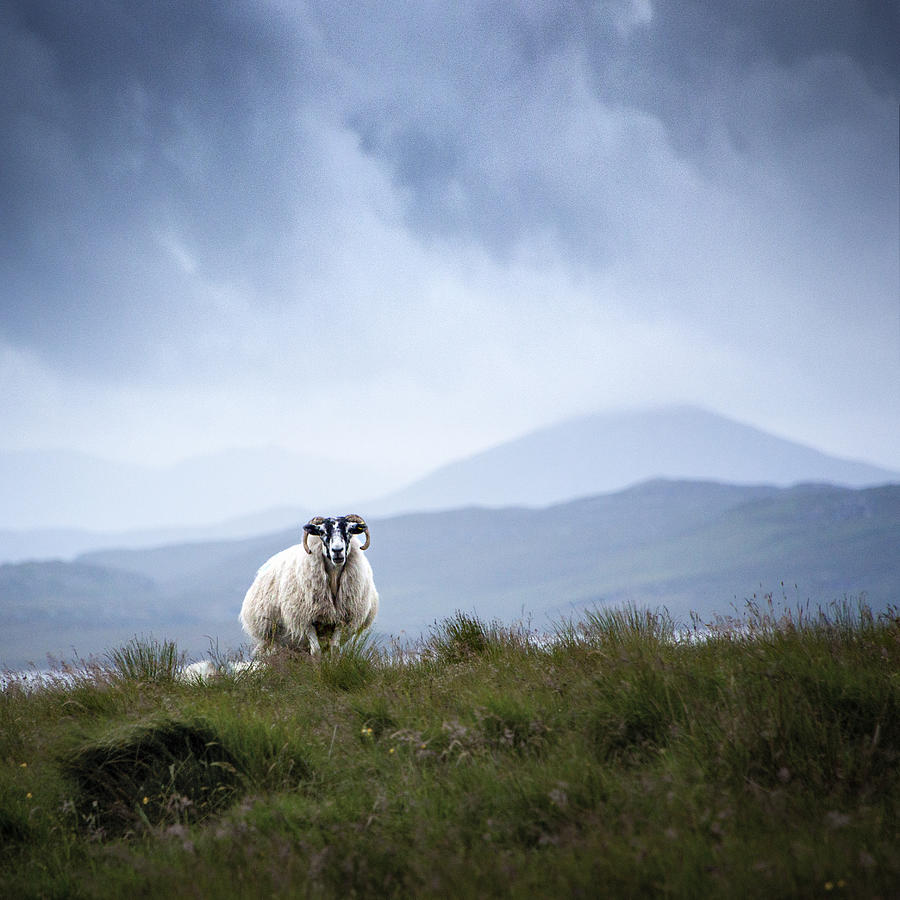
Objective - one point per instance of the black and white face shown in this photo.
(335, 533)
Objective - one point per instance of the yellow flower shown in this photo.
(391, 750)
(145, 801)
(23, 765)
(28, 796)
(829, 885)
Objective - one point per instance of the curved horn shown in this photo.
(315, 520)
(359, 520)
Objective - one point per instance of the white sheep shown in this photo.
(304, 597)
(206, 670)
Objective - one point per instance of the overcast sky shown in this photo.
(414, 230)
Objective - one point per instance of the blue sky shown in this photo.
(421, 229)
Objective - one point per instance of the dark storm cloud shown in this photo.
(157, 156)
(450, 100)
(706, 65)
(696, 46)
(122, 122)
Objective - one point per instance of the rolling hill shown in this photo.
(699, 546)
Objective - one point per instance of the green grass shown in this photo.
(145, 659)
(625, 757)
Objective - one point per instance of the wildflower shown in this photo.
(422, 746)
(829, 885)
(23, 765)
(391, 750)
(145, 801)
(28, 796)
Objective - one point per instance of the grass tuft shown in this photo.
(463, 637)
(146, 660)
(629, 626)
(164, 772)
(351, 666)
(458, 638)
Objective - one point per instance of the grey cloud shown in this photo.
(124, 124)
(180, 170)
(677, 66)
(469, 136)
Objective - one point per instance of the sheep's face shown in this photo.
(335, 533)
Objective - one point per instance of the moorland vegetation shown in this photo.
(622, 756)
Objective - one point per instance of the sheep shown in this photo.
(206, 670)
(305, 597)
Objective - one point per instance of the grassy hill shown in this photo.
(691, 546)
(619, 760)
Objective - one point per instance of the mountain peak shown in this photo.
(604, 452)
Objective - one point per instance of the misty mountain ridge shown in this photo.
(580, 457)
(607, 452)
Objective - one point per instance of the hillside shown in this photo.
(602, 453)
(697, 546)
(72, 594)
(689, 546)
(617, 761)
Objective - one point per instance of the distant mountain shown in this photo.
(608, 452)
(73, 491)
(56, 504)
(700, 546)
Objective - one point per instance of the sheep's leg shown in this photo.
(312, 637)
(336, 638)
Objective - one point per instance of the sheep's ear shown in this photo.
(357, 528)
(312, 528)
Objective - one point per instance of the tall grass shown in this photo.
(145, 660)
(624, 757)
